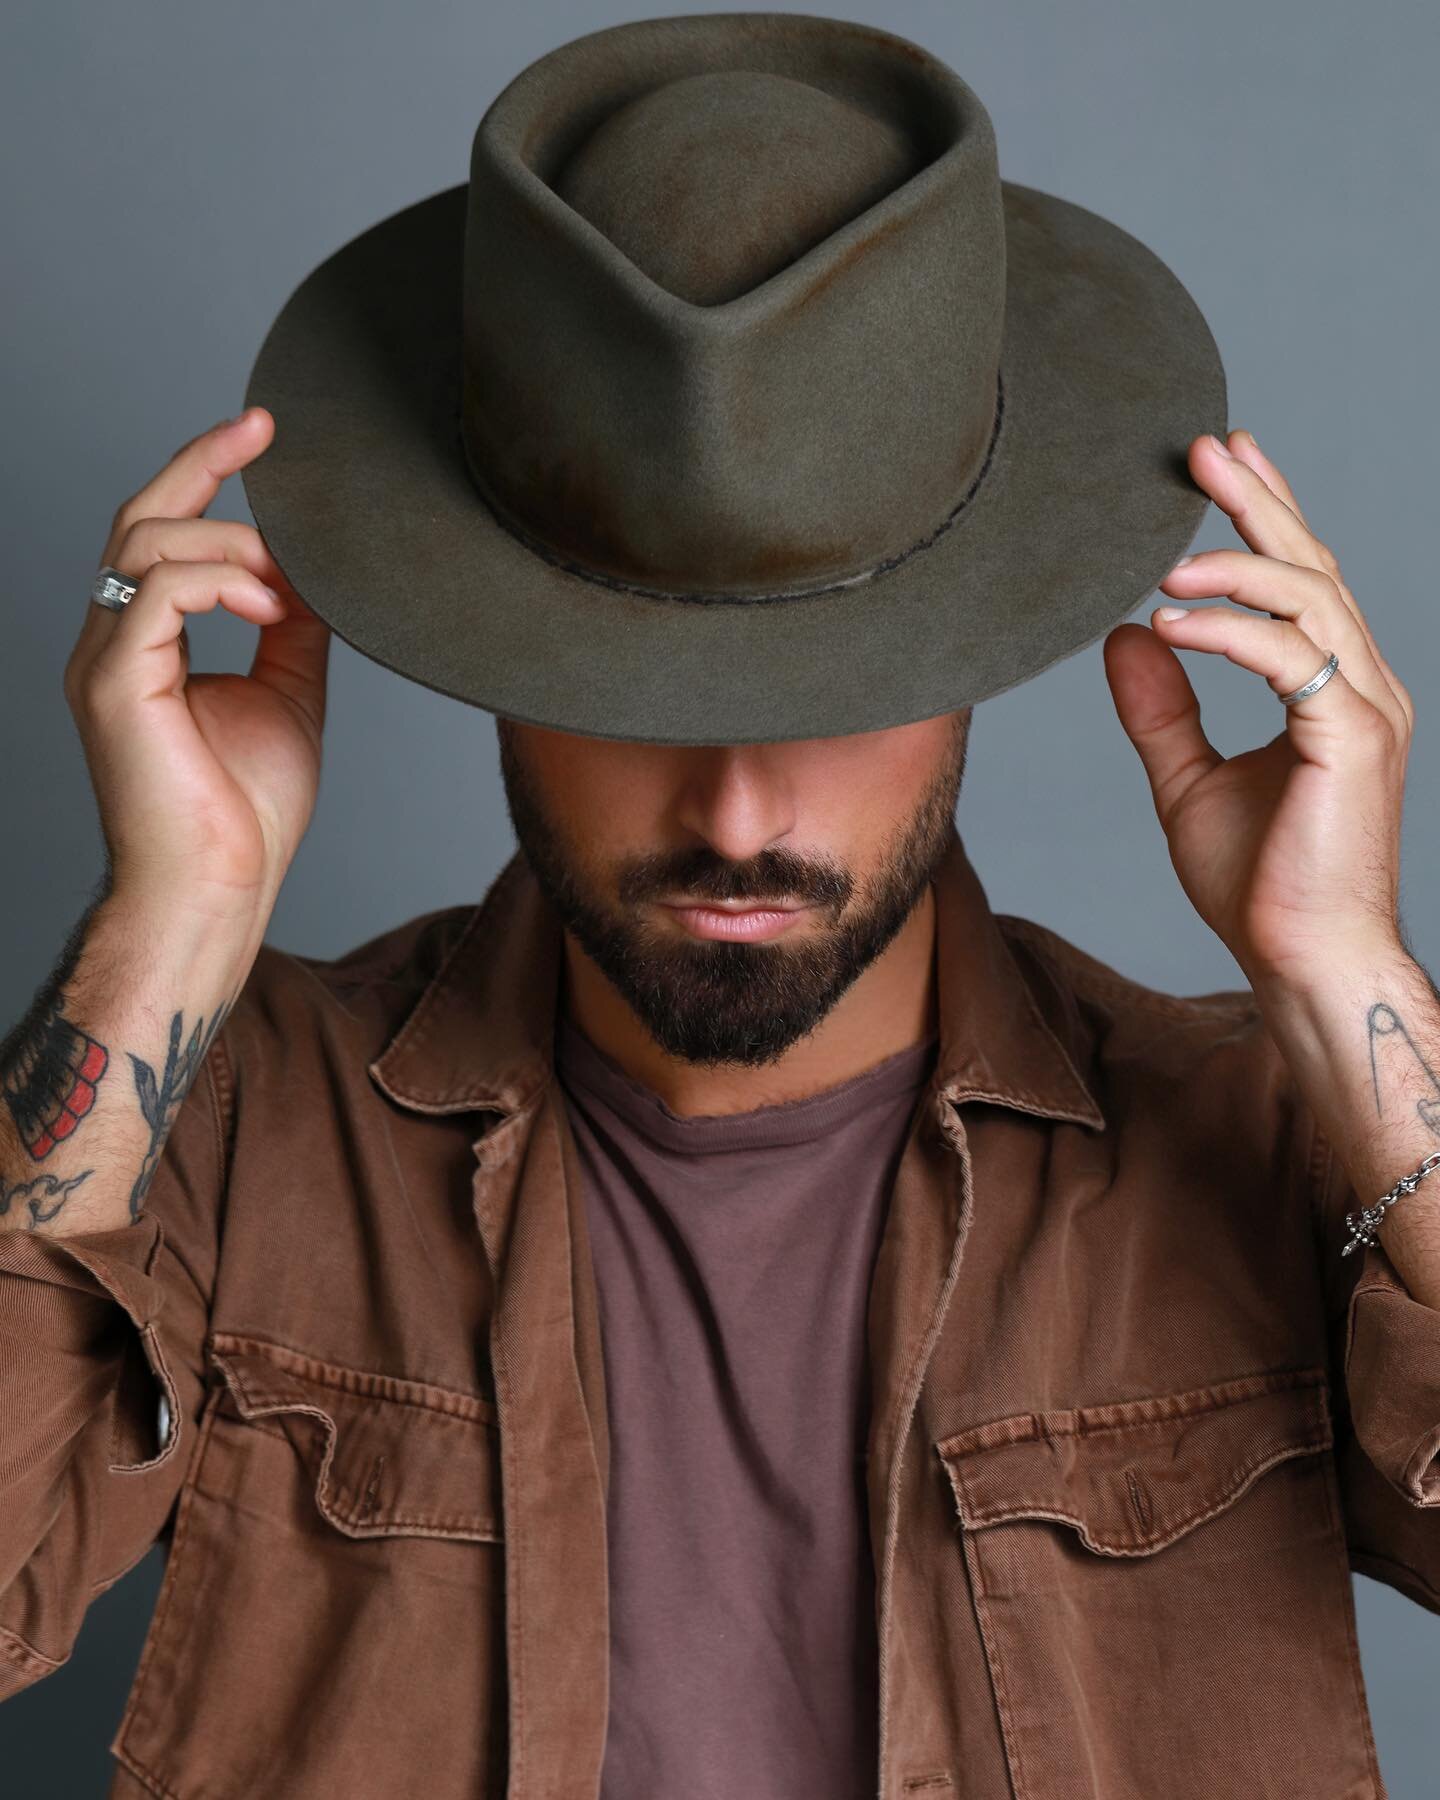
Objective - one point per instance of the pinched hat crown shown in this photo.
(734, 397)
(733, 332)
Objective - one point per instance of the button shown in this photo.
(164, 1421)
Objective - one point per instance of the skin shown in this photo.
(1290, 851)
(833, 797)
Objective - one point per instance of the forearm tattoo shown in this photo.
(160, 1098)
(43, 1196)
(51, 1081)
(50, 1074)
(1389, 1037)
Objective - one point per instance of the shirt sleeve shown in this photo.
(101, 1359)
(1385, 1356)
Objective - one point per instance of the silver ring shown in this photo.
(1311, 687)
(113, 589)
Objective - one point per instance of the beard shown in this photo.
(717, 1002)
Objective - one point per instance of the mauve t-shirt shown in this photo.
(733, 1255)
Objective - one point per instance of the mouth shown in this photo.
(744, 920)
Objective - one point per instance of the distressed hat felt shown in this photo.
(735, 397)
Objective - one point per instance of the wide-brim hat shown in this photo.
(735, 397)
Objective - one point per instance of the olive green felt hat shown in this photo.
(734, 398)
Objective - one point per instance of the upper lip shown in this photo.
(738, 906)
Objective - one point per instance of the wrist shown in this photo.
(1312, 985)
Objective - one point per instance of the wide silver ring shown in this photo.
(113, 589)
(1311, 687)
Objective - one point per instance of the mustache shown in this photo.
(772, 874)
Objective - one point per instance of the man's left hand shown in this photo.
(1290, 852)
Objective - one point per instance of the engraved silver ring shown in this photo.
(1311, 687)
(113, 589)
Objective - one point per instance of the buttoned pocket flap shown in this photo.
(1131, 1476)
(389, 1456)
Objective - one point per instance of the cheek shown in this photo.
(606, 801)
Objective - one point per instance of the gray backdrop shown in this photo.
(172, 170)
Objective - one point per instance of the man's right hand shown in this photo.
(205, 783)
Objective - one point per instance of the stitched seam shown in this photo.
(143, 1775)
(24, 1654)
(1190, 1403)
(449, 1403)
(1177, 1525)
(1015, 1765)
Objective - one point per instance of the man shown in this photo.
(727, 1315)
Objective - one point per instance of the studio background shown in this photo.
(172, 171)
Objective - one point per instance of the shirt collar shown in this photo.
(480, 1035)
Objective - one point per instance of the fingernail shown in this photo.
(1222, 446)
(1183, 560)
(239, 417)
(1170, 613)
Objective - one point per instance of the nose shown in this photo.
(737, 800)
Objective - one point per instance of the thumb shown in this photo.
(1160, 713)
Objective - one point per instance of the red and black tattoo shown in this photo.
(51, 1080)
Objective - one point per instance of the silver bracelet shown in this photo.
(1364, 1227)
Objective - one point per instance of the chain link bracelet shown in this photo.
(1364, 1226)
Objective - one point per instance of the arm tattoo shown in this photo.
(1385, 1023)
(48, 1068)
(50, 1080)
(160, 1098)
(35, 1194)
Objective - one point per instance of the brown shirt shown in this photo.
(732, 1259)
(1134, 1419)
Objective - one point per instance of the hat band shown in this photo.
(722, 597)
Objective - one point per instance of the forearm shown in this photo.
(1363, 1041)
(93, 1075)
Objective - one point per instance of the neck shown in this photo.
(886, 1009)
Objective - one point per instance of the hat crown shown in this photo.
(793, 162)
(734, 295)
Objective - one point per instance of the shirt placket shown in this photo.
(916, 1270)
(556, 1600)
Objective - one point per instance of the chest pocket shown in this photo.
(387, 1456)
(1164, 1596)
(332, 1614)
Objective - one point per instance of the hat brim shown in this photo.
(1108, 368)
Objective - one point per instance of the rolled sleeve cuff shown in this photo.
(57, 1301)
(1392, 1378)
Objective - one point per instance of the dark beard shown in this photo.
(736, 1003)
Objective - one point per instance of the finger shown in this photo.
(1160, 713)
(192, 478)
(1288, 658)
(151, 540)
(1243, 445)
(1260, 516)
(1261, 511)
(143, 656)
(1305, 596)
(293, 657)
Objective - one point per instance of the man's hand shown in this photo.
(1290, 852)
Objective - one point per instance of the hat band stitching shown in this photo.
(720, 597)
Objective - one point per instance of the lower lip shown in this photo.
(748, 927)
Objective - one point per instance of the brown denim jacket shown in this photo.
(1134, 1417)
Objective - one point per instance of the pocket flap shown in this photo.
(390, 1457)
(1132, 1475)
